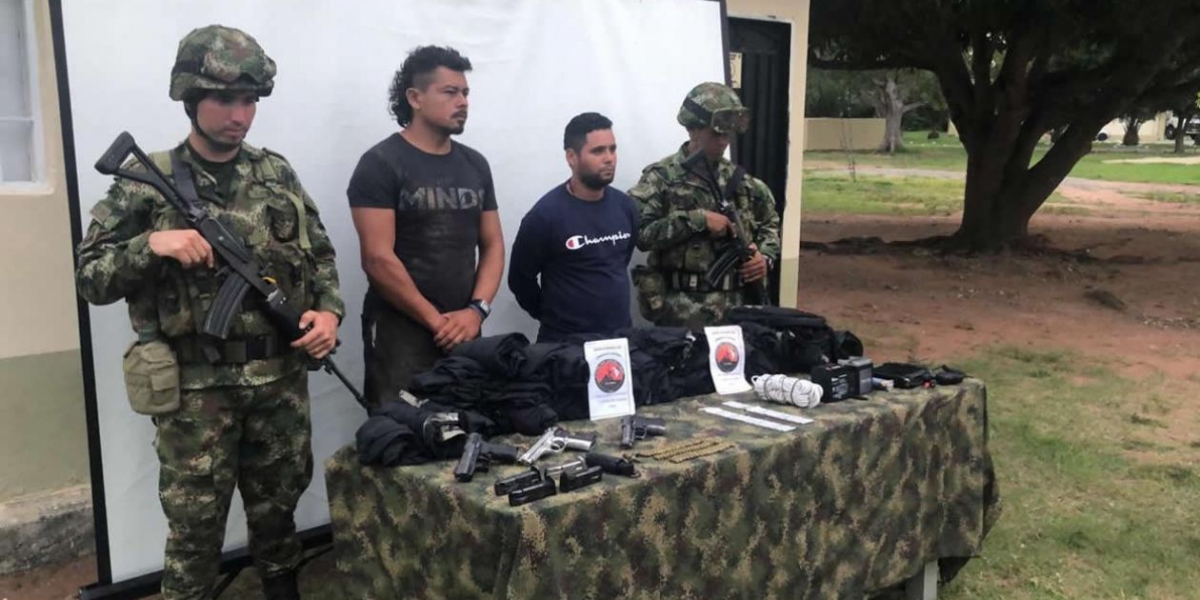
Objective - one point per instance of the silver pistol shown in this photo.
(556, 439)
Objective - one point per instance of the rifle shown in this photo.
(737, 252)
(242, 272)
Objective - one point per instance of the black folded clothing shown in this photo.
(428, 425)
(762, 349)
(499, 355)
(531, 420)
(386, 443)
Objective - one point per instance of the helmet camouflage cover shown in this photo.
(714, 105)
(221, 58)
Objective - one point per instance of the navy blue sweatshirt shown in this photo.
(581, 250)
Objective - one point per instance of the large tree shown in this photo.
(893, 94)
(1013, 70)
(888, 95)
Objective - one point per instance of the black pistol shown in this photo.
(635, 428)
(479, 455)
(613, 465)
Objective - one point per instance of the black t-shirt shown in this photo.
(221, 171)
(438, 199)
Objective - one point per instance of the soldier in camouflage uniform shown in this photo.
(229, 412)
(681, 227)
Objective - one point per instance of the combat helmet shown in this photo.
(714, 105)
(221, 58)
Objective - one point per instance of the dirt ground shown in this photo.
(1134, 300)
(1132, 295)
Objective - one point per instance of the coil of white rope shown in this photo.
(783, 389)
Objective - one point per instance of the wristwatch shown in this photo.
(482, 306)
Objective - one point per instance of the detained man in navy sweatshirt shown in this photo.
(578, 239)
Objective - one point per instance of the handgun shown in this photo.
(555, 439)
(479, 455)
(635, 428)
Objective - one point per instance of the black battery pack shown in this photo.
(860, 384)
(837, 382)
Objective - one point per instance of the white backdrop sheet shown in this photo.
(536, 64)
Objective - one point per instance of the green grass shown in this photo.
(882, 195)
(900, 196)
(1093, 166)
(1083, 518)
(1173, 197)
(947, 154)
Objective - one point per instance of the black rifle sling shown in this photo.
(735, 182)
(181, 172)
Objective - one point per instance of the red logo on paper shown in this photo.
(727, 357)
(610, 376)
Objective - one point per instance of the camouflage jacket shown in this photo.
(165, 300)
(671, 202)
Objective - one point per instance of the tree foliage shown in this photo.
(1013, 70)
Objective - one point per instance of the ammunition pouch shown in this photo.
(151, 378)
(209, 350)
(682, 281)
(651, 291)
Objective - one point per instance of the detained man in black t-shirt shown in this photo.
(578, 238)
(423, 204)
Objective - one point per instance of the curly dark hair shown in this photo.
(414, 73)
(577, 130)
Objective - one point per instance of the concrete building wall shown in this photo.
(794, 12)
(43, 442)
(843, 134)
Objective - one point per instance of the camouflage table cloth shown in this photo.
(856, 501)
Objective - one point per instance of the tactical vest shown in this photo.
(271, 221)
(688, 191)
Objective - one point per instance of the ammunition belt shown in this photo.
(682, 281)
(688, 450)
(702, 451)
(207, 350)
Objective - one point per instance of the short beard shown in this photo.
(214, 145)
(220, 147)
(455, 129)
(593, 181)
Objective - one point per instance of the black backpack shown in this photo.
(803, 340)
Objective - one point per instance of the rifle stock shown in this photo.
(117, 152)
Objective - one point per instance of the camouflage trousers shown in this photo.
(695, 310)
(255, 438)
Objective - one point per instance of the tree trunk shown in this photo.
(892, 134)
(1180, 123)
(1131, 132)
(1003, 192)
(998, 219)
(889, 104)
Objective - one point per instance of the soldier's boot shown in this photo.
(281, 586)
